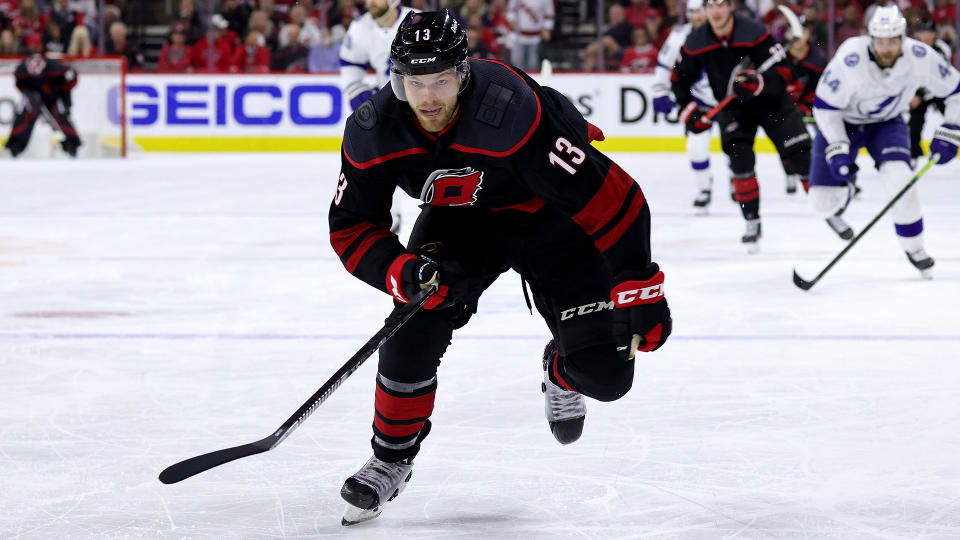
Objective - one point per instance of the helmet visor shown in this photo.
(440, 85)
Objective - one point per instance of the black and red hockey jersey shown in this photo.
(513, 146)
(719, 55)
(51, 79)
(804, 75)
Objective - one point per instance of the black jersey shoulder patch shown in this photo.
(500, 114)
(366, 115)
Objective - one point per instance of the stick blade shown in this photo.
(800, 282)
(196, 465)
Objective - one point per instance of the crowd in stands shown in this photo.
(260, 36)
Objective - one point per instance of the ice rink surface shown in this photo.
(158, 308)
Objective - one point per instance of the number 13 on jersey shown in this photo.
(573, 153)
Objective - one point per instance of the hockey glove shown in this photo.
(357, 93)
(663, 105)
(409, 274)
(692, 116)
(748, 84)
(840, 162)
(945, 141)
(641, 318)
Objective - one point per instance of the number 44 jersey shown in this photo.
(513, 146)
(855, 90)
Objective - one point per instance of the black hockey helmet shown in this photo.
(428, 42)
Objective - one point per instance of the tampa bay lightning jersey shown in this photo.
(855, 90)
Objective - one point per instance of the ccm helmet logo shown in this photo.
(423, 60)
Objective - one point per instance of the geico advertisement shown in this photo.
(306, 105)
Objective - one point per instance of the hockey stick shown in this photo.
(806, 285)
(195, 465)
(777, 55)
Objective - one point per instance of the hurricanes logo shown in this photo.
(452, 187)
(35, 64)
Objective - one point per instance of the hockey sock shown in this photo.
(910, 235)
(401, 410)
(746, 191)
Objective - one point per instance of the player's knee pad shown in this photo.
(828, 200)
(796, 159)
(698, 147)
(895, 175)
(740, 152)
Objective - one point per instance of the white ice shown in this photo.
(162, 307)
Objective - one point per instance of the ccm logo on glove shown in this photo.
(635, 293)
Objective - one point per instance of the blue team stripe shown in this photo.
(700, 165)
(821, 104)
(663, 66)
(955, 90)
(361, 66)
(909, 230)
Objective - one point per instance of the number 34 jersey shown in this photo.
(513, 146)
(855, 90)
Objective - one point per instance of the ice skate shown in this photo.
(922, 262)
(565, 409)
(840, 226)
(702, 202)
(751, 237)
(791, 184)
(397, 220)
(375, 484)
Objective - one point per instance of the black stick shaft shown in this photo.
(195, 465)
(933, 159)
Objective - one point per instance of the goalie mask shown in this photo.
(428, 42)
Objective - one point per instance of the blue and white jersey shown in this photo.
(855, 90)
(668, 57)
(367, 46)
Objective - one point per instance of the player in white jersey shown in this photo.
(367, 46)
(698, 144)
(860, 102)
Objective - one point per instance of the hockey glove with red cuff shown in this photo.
(692, 116)
(641, 318)
(748, 84)
(409, 274)
(840, 162)
(945, 141)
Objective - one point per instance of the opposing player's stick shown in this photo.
(806, 285)
(189, 467)
(777, 55)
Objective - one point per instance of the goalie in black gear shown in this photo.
(508, 179)
(45, 85)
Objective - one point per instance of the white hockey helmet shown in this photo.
(887, 22)
(694, 5)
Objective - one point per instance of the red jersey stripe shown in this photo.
(529, 206)
(361, 250)
(606, 202)
(384, 158)
(342, 240)
(606, 241)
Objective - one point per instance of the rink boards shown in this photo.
(306, 112)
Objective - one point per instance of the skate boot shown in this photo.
(565, 409)
(922, 262)
(840, 226)
(702, 202)
(751, 237)
(375, 484)
(397, 219)
(791, 184)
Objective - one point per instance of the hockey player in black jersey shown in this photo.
(508, 179)
(732, 43)
(46, 86)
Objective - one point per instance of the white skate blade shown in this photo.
(753, 248)
(353, 515)
(702, 211)
(926, 273)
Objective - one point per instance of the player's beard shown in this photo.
(437, 121)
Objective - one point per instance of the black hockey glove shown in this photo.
(641, 318)
(748, 84)
(693, 116)
(409, 274)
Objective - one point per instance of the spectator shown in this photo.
(65, 18)
(471, 8)
(532, 22)
(293, 56)
(496, 20)
(175, 57)
(277, 18)
(636, 13)
(189, 19)
(671, 15)
(237, 15)
(27, 20)
(252, 57)
(815, 25)
(80, 44)
(475, 45)
(8, 10)
(111, 14)
(8, 44)
(118, 45)
(851, 24)
(944, 13)
(614, 40)
(224, 44)
(260, 22)
(52, 39)
(641, 56)
(326, 56)
(86, 11)
(657, 31)
(308, 32)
